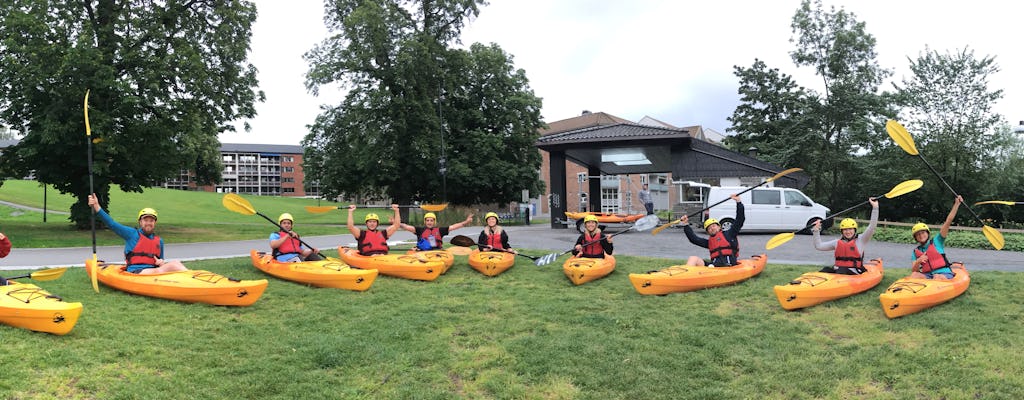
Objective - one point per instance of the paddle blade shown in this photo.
(665, 226)
(94, 274)
(1005, 203)
(463, 241)
(546, 259)
(237, 204)
(779, 240)
(904, 188)
(320, 209)
(646, 223)
(783, 173)
(48, 274)
(993, 237)
(900, 135)
(460, 250)
(433, 207)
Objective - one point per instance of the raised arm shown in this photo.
(944, 231)
(469, 220)
(351, 225)
(395, 222)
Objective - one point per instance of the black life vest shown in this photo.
(848, 255)
(372, 242)
(145, 252)
(936, 260)
(290, 246)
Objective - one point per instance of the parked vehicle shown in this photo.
(769, 209)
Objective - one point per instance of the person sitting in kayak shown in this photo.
(723, 244)
(372, 242)
(493, 238)
(428, 237)
(849, 248)
(592, 243)
(143, 249)
(929, 260)
(286, 246)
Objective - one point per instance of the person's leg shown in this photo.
(696, 261)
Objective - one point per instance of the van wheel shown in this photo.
(726, 223)
(810, 222)
(579, 225)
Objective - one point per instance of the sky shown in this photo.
(668, 59)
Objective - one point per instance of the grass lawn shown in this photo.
(527, 333)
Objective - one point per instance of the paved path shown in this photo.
(24, 207)
(671, 244)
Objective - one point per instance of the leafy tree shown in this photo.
(824, 133)
(165, 79)
(416, 106)
(948, 110)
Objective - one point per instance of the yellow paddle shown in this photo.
(424, 207)
(1003, 202)
(43, 275)
(92, 221)
(900, 135)
(777, 176)
(239, 205)
(898, 190)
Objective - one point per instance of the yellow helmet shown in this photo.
(147, 211)
(372, 216)
(285, 216)
(708, 222)
(492, 214)
(430, 215)
(589, 218)
(920, 226)
(848, 223)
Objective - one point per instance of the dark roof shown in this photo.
(587, 120)
(607, 133)
(260, 148)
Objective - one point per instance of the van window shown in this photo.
(796, 199)
(766, 197)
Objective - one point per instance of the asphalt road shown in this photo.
(670, 244)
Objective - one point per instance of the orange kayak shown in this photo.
(687, 278)
(910, 295)
(581, 270)
(325, 273)
(605, 217)
(814, 288)
(491, 263)
(25, 305)
(444, 256)
(397, 265)
(192, 286)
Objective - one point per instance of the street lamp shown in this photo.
(442, 163)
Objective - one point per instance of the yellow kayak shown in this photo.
(444, 256)
(581, 270)
(25, 305)
(397, 265)
(814, 288)
(191, 286)
(687, 278)
(910, 295)
(331, 274)
(491, 263)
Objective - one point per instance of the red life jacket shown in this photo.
(936, 260)
(848, 255)
(372, 242)
(290, 246)
(593, 250)
(145, 251)
(494, 240)
(719, 246)
(435, 232)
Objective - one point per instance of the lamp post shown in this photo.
(443, 162)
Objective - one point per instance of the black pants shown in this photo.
(843, 270)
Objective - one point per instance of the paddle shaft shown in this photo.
(468, 240)
(297, 238)
(949, 187)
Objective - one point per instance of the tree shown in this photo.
(830, 130)
(417, 106)
(948, 109)
(165, 79)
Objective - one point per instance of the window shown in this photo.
(766, 197)
(796, 199)
(288, 190)
(287, 179)
(289, 159)
(289, 169)
(610, 200)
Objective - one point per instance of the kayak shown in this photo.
(910, 295)
(397, 265)
(25, 305)
(814, 288)
(191, 286)
(491, 263)
(326, 273)
(581, 270)
(605, 217)
(687, 278)
(444, 256)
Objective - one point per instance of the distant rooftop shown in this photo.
(260, 148)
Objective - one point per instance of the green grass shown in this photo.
(525, 334)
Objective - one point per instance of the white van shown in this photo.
(766, 209)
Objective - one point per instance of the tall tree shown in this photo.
(835, 126)
(165, 79)
(948, 108)
(422, 120)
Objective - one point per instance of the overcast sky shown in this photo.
(669, 59)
